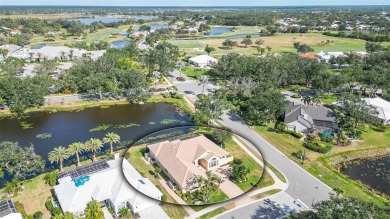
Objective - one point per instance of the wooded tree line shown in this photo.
(364, 35)
(121, 72)
(252, 84)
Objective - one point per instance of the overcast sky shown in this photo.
(194, 2)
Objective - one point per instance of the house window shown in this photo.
(213, 162)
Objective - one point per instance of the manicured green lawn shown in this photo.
(279, 43)
(218, 196)
(194, 72)
(255, 169)
(329, 99)
(287, 145)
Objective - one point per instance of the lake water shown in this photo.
(219, 30)
(157, 26)
(124, 34)
(130, 122)
(89, 21)
(372, 172)
(143, 17)
(38, 46)
(120, 44)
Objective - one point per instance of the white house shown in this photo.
(326, 56)
(203, 61)
(8, 210)
(103, 181)
(382, 107)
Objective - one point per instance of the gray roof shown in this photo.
(312, 116)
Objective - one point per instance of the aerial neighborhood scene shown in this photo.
(207, 109)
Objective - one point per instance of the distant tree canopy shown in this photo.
(302, 48)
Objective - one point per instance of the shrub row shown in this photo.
(317, 147)
(294, 133)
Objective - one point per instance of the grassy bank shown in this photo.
(255, 169)
(318, 167)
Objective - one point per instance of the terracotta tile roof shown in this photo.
(309, 56)
(177, 156)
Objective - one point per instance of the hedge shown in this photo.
(316, 147)
(294, 133)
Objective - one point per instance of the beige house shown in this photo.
(185, 160)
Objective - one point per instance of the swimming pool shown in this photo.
(81, 181)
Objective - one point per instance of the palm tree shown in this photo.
(316, 100)
(39, 56)
(71, 53)
(93, 145)
(62, 55)
(203, 80)
(58, 154)
(94, 210)
(111, 138)
(75, 149)
(269, 49)
(31, 56)
(124, 212)
(307, 100)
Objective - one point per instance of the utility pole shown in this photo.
(304, 155)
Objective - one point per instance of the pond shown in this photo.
(130, 122)
(143, 17)
(372, 172)
(156, 26)
(89, 21)
(38, 46)
(124, 34)
(120, 44)
(219, 30)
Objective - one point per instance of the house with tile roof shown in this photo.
(307, 118)
(107, 184)
(184, 160)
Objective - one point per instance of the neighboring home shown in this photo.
(382, 107)
(103, 181)
(308, 118)
(8, 210)
(326, 56)
(11, 48)
(15, 32)
(309, 56)
(184, 160)
(203, 61)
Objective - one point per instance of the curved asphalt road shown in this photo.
(301, 185)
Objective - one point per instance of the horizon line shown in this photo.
(202, 5)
